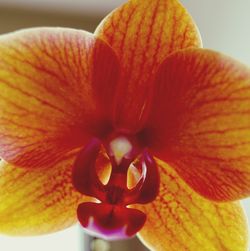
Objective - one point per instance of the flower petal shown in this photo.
(37, 201)
(143, 33)
(56, 89)
(200, 122)
(180, 219)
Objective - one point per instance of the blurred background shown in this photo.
(224, 26)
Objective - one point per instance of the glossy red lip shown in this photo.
(139, 94)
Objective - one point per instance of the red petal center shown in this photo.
(111, 218)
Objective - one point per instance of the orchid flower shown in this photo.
(134, 129)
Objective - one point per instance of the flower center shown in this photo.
(111, 217)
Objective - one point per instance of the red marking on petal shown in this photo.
(143, 33)
(181, 219)
(35, 202)
(200, 122)
(75, 72)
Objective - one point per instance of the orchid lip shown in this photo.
(112, 218)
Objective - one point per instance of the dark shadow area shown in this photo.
(128, 245)
(12, 19)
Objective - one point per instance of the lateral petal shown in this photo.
(200, 122)
(143, 33)
(56, 90)
(180, 219)
(37, 201)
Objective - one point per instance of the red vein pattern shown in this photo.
(52, 83)
(143, 33)
(200, 122)
(37, 201)
(180, 219)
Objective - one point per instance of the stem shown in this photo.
(87, 240)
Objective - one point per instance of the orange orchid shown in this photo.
(133, 129)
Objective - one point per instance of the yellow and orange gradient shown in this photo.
(182, 114)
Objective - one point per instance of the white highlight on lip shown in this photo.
(95, 230)
(120, 147)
